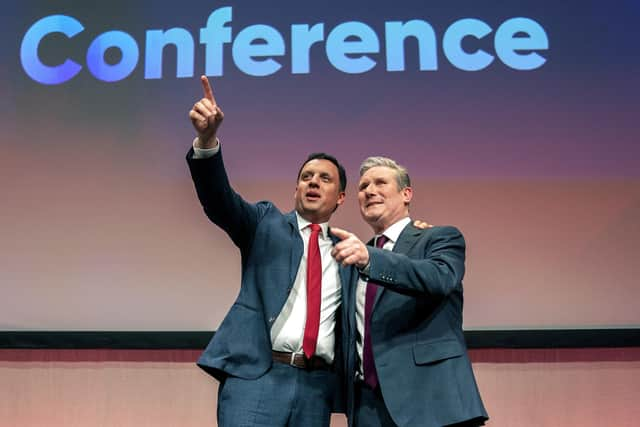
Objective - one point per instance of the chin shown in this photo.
(310, 206)
(370, 219)
(371, 212)
(310, 210)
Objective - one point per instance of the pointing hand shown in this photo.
(350, 250)
(206, 116)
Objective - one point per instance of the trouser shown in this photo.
(371, 411)
(285, 396)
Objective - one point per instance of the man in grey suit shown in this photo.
(275, 351)
(405, 352)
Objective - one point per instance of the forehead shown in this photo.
(378, 172)
(320, 166)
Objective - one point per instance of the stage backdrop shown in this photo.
(518, 122)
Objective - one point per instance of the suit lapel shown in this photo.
(297, 246)
(346, 274)
(408, 237)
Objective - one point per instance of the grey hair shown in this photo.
(402, 175)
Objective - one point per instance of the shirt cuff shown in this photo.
(366, 269)
(204, 153)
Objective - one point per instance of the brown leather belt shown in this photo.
(301, 361)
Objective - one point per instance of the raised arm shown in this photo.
(434, 266)
(221, 203)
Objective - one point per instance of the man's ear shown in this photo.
(407, 195)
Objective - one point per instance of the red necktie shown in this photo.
(314, 285)
(368, 365)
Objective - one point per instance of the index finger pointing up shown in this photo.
(208, 92)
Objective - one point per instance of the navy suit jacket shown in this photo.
(271, 249)
(424, 371)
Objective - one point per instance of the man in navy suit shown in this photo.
(406, 352)
(275, 351)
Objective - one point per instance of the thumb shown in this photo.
(340, 233)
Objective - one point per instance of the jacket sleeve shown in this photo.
(222, 205)
(437, 270)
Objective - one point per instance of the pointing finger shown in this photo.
(340, 233)
(208, 92)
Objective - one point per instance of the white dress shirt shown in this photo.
(287, 332)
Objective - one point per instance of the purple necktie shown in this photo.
(368, 366)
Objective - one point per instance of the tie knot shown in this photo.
(315, 228)
(381, 241)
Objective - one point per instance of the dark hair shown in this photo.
(329, 157)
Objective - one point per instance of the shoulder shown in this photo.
(435, 231)
(447, 230)
(268, 208)
(442, 234)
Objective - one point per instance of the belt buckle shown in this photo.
(292, 362)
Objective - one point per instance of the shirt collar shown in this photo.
(393, 232)
(303, 223)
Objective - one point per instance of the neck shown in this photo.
(377, 229)
(314, 219)
(380, 227)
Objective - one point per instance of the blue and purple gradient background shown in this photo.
(101, 228)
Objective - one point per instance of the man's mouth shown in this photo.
(369, 204)
(312, 195)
